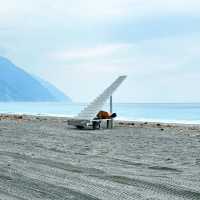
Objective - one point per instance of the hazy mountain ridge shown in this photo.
(18, 85)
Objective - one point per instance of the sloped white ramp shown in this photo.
(95, 106)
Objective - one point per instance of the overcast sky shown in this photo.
(81, 46)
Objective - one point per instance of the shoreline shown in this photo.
(117, 123)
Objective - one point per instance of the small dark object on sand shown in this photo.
(145, 123)
(158, 124)
(162, 129)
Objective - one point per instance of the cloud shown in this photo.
(2, 51)
(27, 12)
(98, 52)
(150, 40)
(161, 54)
(151, 65)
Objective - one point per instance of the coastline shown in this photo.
(117, 123)
(158, 113)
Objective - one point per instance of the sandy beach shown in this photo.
(44, 158)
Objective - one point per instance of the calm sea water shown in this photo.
(173, 112)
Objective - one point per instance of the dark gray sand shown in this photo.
(42, 158)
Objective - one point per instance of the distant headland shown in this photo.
(18, 85)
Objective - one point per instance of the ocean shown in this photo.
(188, 113)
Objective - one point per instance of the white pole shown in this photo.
(111, 104)
(111, 110)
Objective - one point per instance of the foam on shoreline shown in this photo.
(118, 123)
(125, 119)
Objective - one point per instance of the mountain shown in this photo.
(18, 85)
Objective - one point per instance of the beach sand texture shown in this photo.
(42, 158)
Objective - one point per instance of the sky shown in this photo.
(81, 46)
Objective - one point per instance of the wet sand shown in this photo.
(43, 158)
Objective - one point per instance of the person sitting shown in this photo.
(106, 115)
(102, 115)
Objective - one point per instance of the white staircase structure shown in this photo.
(86, 118)
(90, 112)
